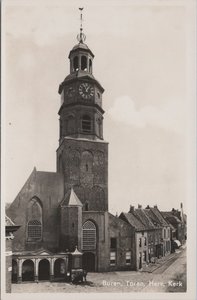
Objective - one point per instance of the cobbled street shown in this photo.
(169, 277)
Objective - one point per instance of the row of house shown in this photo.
(156, 233)
(147, 234)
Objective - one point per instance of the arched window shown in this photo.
(86, 124)
(76, 63)
(34, 230)
(89, 236)
(86, 162)
(84, 63)
(73, 165)
(34, 220)
(90, 65)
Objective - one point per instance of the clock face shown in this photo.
(70, 91)
(86, 90)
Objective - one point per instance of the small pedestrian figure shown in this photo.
(84, 275)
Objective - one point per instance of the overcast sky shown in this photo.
(142, 59)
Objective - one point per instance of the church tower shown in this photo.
(82, 155)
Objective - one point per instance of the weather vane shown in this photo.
(81, 37)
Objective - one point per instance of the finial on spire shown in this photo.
(81, 37)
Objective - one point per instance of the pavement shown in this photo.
(171, 270)
(151, 267)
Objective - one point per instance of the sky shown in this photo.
(143, 59)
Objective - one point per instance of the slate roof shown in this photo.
(144, 218)
(80, 75)
(153, 218)
(71, 199)
(51, 183)
(8, 221)
(158, 216)
(74, 200)
(81, 46)
(170, 217)
(135, 222)
(44, 185)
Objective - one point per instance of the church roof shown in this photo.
(47, 186)
(71, 199)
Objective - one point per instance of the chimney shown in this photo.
(181, 205)
(155, 206)
(132, 208)
(147, 207)
(139, 206)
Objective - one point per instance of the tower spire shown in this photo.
(81, 36)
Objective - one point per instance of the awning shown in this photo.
(177, 242)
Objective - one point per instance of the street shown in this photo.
(169, 277)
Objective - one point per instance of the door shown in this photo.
(88, 261)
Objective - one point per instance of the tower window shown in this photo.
(76, 63)
(86, 124)
(90, 65)
(70, 124)
(86, 206)
(84, 63)
(99, 128)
